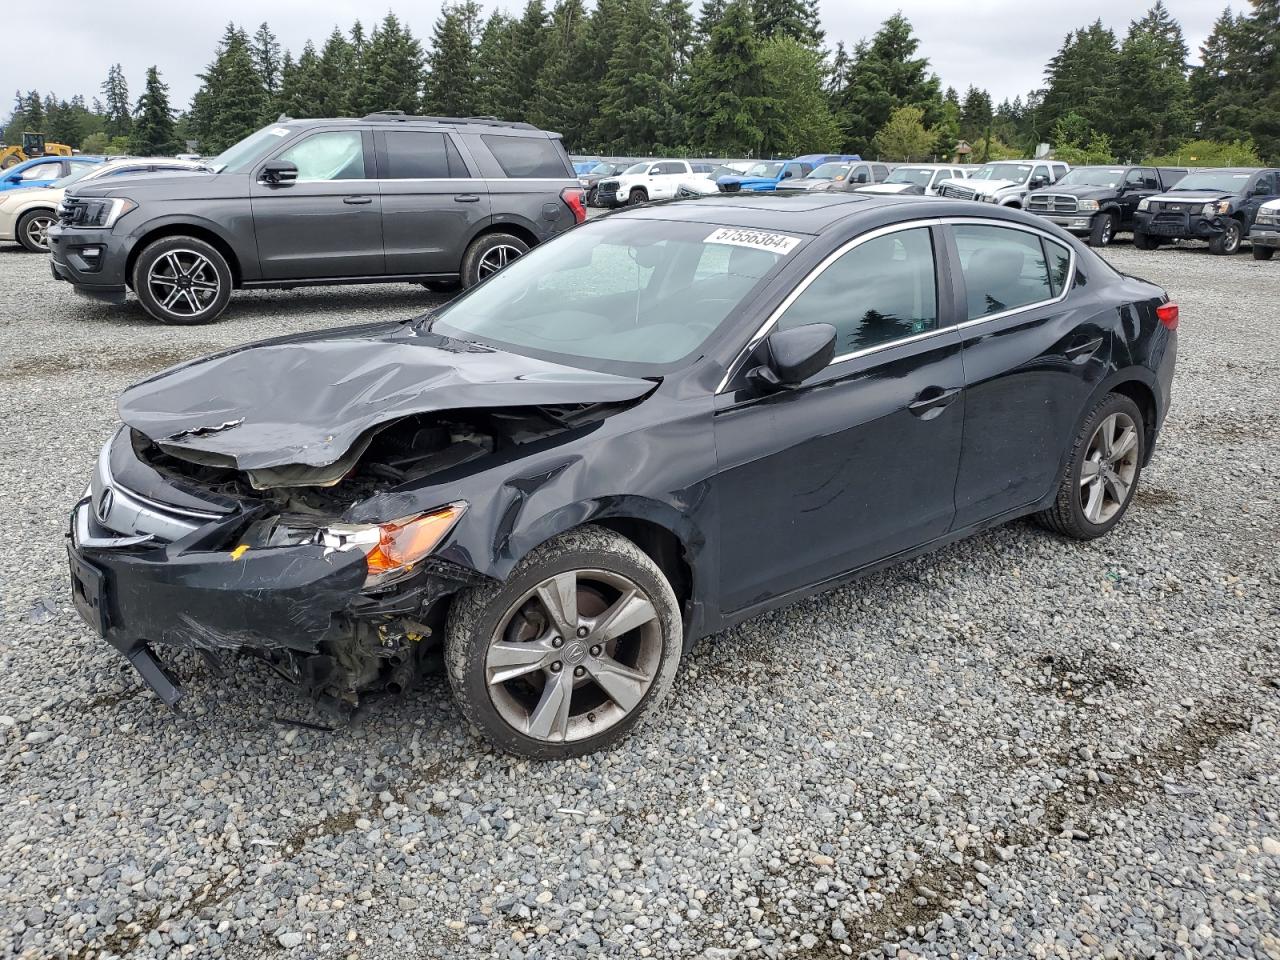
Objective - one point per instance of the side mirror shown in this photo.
(787, 174)
(861, 178)
(1037, 182)
(793, 356)
(278, 171)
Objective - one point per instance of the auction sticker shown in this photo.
(778, 243)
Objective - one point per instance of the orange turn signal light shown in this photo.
(402, 543)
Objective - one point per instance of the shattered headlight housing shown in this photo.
(392, 550)
(102, 212)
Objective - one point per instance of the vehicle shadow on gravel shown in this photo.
(400, 302)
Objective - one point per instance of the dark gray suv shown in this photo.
(433, 200)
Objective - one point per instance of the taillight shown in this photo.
(572, 196)
(1168, 314)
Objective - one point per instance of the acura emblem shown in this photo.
(104, 505)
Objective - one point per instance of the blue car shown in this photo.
(42, 171)
(765, 176)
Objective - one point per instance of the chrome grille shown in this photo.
(121, 510)
(1052, 203)
(958, 193)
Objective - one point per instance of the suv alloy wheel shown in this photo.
(182, 281)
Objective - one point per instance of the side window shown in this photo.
(1003, 268)
(528, 156)
(1267, 185)
(880, 291)
(1059, 260)
(421, 155)
(670, 168)
(335, 155)
(41, 171)
(121, 171)
(76, 166)
(881, 173)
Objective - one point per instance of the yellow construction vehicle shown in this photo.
(33, 145)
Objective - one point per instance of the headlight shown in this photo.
(1088, 205)
(1144, 203)
(1224, 207)
(991, 198)
(101, 212)
(584, 182)
(1268, 216)
(392, 550)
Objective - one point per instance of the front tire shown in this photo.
(1228, 241)
(1102, 472)
(577, 647)
(1103, 230)
(33, 229)
(637, 196)
(1144, 241)
(489, 254)
(182, 281)
(1263, 253)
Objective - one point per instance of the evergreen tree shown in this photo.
(976, 114)
(355, 85)
(153, 133)
(635, 110)
(728, 94)
(563, 98)
(882, 76)
(391, 69)
(1152, 71)
(231, 101)
(947, 130)
(711, 13)
(1082, 78)
(116, 91)
(904, 136)
(302, 92)
(334, 70)
(495, 63)
(788, 18)
(1262, 48)
(266, 59)
(679, 20)
(451, 81)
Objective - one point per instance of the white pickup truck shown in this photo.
(1004, 182)
(647, 180)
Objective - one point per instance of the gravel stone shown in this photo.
(1071, 747)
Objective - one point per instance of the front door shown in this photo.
(1031, 361)
(328, 222)
(1140, 182)
(859, 463)
(432, 202)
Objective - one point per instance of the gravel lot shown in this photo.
(1018, 747)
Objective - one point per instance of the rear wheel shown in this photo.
(1228, 241)
(1102, 472)
(33, 229)
(1263, 253)
(579, 645)
(9, 161)
(1103, 230)
(489, 254)
(638, 195)
(182, 280)
(1144, 241)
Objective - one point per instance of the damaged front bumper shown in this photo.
(164, 576)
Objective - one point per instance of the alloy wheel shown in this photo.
(1108, 230)
(184, 282)
(495, 258)
(1109, 468)
(574, 655)
(37, 231)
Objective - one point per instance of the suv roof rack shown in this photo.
(399, 116)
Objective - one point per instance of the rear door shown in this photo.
(1031, 361)
(859, 463)
(328, 222)
(432, 201)
(526, 172)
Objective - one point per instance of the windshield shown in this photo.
(604, 168)
(917, 175)
(1016, 172)
(249, 150)
(1092, 177)
(723, 171)
(1227, 181)
(767, 170)
(80, 174)
(637, 167)
(829, 171)
(618, 295)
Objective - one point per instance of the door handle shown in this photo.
(931, 401)
(467, 198)
(1081, 352)
(357, 201)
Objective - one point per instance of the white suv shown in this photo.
(915, 179)
(644, 181)
(1005, 182)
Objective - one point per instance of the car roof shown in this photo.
(808, 213)
(489, 124)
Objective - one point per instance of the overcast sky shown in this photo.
(998, 44)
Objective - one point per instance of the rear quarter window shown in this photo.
(527, 156)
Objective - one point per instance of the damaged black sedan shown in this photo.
(657, 425)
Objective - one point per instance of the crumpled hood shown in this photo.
(1199, 196)
(306, 400)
